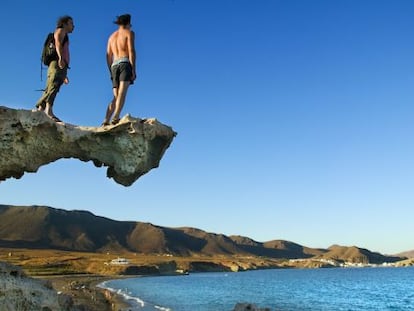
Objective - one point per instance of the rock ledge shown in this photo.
(131, 148)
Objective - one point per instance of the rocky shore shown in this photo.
(86, 295)
(55, 293)
(65, 293)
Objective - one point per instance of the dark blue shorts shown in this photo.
(121, 72)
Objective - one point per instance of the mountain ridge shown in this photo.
(76, 230)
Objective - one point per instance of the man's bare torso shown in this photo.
(118, 44)
(121, 46)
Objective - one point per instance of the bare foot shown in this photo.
(54, 118)
(115, 121)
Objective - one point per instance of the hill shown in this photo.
(275, 248)
(355, 254)
(41, 227)
(408, 254)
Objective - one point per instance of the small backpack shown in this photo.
(49, 50)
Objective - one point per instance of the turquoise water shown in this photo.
(334, 289)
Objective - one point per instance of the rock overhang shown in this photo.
(130, 149)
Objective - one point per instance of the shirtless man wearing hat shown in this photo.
(120, 58)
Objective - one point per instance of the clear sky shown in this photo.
(294, 117)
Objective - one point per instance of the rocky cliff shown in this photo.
(29, 139)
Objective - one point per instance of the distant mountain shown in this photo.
(45, 227)
(51, 228)
(356, 255)
(408, 254)
(276, 248)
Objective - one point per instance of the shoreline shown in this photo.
(86, 294)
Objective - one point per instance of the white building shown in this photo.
(119, 261)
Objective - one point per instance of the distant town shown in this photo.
(334, 263)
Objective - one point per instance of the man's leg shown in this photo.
(55, 78)
(120, 99)
(111, 108)
(51, 99)
(109, 112)
(49, 110)
(41, 103)
(59, 77)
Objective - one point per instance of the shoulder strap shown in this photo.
(49, 37)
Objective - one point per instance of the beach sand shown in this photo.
(86, 295)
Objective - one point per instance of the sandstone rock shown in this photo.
(29, 139)
(18, 292)
(234, 268)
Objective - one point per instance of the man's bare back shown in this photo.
(121, 44)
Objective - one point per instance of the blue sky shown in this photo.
(294, 118)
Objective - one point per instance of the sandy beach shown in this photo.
(86, 295)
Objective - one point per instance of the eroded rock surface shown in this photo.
(29, 139)
(19, 292)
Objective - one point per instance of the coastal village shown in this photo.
(334, 263)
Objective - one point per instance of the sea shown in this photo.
(329, 289)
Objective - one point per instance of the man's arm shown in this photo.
(59, 36)
(131, 52)
(109, 54)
